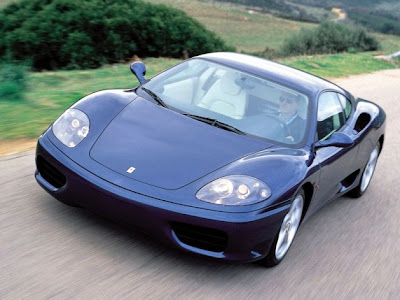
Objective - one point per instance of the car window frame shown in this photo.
(347, 101)
(343, 111)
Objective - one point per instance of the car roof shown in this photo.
(279, 73)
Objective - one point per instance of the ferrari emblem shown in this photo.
(130, 170)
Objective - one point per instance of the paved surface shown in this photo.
(348, 250)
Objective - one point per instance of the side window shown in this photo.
(331, 115)
(346, 104)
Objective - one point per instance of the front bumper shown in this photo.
(241, 237)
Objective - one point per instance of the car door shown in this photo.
(335, 162)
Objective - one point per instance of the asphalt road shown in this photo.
(348, 250)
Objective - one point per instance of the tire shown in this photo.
(367, 173)
(286, 233)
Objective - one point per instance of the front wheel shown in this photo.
(366, 176)
(287, 232)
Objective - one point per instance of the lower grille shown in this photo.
(50, 173)
(201, 237)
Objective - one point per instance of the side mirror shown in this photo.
(337, 139)
(139, 70)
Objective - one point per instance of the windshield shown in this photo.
(218, 94)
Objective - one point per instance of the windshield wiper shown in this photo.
(155, 97)
(216, 123)
(200, 118)
(228, 127)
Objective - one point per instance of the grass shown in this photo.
(389, 43)
(338, 65)
(50, 93)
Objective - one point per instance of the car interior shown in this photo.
(247, 102)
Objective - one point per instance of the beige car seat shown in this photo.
(226, 97)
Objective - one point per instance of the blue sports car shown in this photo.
(223, 155)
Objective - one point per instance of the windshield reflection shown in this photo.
(251, 105)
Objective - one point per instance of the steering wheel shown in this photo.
(280, 123)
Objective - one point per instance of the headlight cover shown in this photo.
(71, 127)
(234, 190)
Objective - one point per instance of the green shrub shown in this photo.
(13, 79)
(86, 34)
(330, 38)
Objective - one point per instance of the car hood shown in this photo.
(162, 148)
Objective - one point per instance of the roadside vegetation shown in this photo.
(328, 38)
(13, 81)
(75, 34)
(340, 64)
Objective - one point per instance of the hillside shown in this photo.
(382, 15)
(252, 31)
(246, 29)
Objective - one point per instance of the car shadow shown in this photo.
(140, 251)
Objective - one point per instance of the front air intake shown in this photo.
(201, 237)
(50, 173)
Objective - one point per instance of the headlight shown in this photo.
(234, 190)
(72, 127)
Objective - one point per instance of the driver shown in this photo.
(288, 106)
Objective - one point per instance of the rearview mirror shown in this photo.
(139, 70)
(337, 139)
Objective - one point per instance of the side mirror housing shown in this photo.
(139, 70)
(337, 139)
